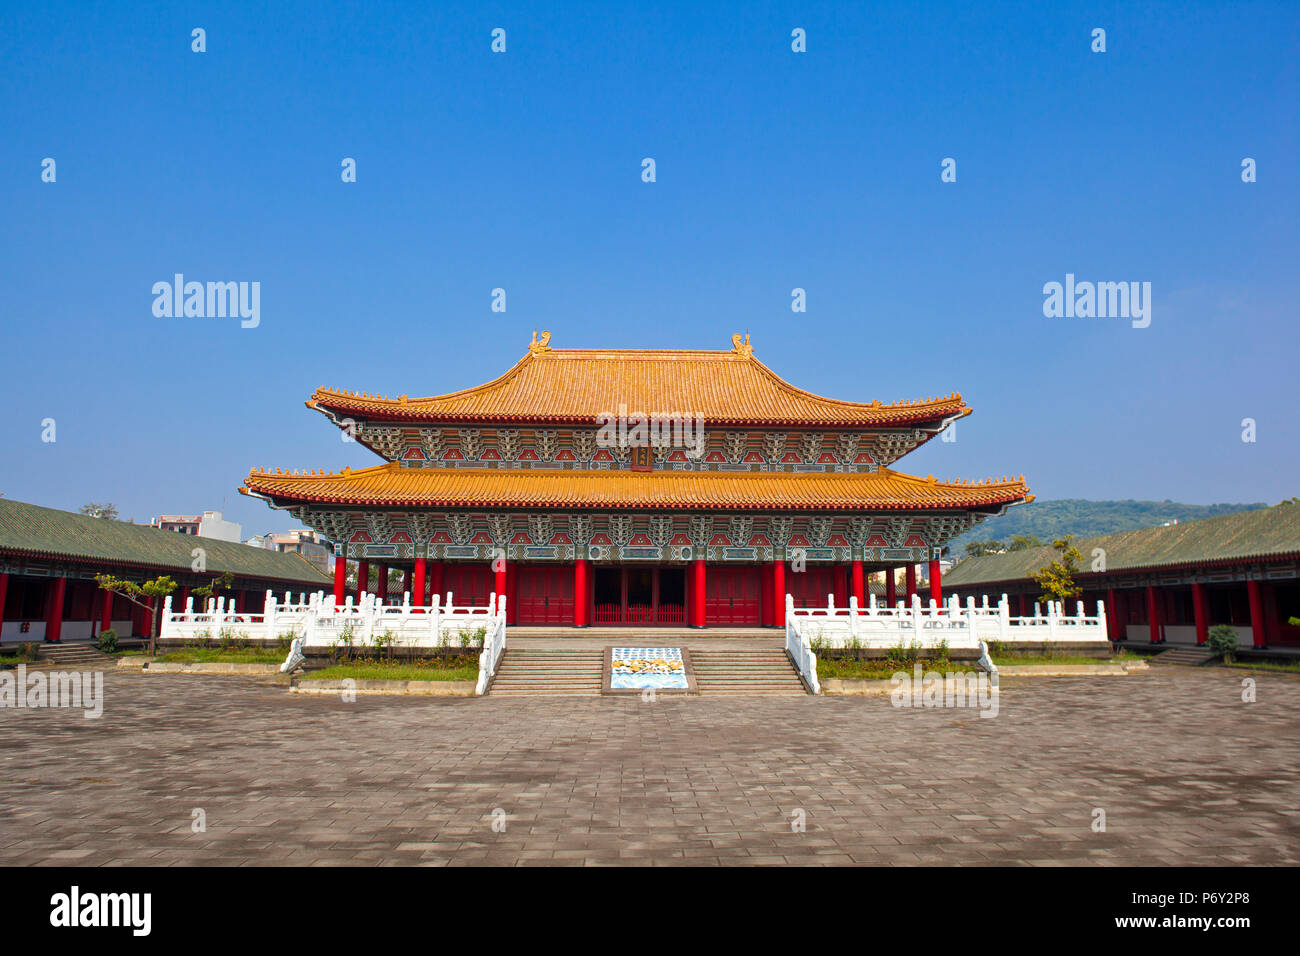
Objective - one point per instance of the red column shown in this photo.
(1153, 613)
(418, 598)
(911, 583)
(363, 577)
(340, 576)
(4, 591)
(106, 613)
(1257, 627)
(1022, 605)
(697, 593)
(1112, 616)
(1199, 610)
(149, 629)
(499, 582)
(580, 587)
(936, 583)
(778, 592)
(54, 610)
(381, 587)
(890, 596)
(512, 591)
(859, 583)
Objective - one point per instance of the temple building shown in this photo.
(635, 487)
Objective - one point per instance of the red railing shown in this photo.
(609, 614)
(672, 614)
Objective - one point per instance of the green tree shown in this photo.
(975, 548)
(214, 587)
(1057, 578)
(1023, 542)
(95, 510)
(138, 594)
(1222, 639)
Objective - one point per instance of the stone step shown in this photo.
(1186, 656)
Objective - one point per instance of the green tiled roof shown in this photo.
(1265, 532)
(48, 531)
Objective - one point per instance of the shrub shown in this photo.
(107, 642)
(1222, 639)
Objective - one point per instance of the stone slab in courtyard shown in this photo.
(1186, 773)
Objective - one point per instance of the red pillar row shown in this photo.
(1257, 627)
(106, 611)
(581, 572)
(936, 583)
(697, 593)
(1153, 613)
(1113, 631)
(4, 591)
(54, 610)
(1199, 613)
(417, 585)
(340, 576)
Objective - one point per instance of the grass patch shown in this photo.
(1288, 666)
(11, 661)
(1044, 659)
(882, 668)
(439, 668)
(219, 655)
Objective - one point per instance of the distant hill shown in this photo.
(1083, 519)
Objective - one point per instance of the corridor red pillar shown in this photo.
(936, 583)
(697, 593)
(1257, 626)
(580, 592)
(1199, 613)
(911, 583)
(54, 610)
(340, 575)
(363, 577)
(891, 595)
(778, 592)
(418, 594)
(859, 583)
(1153, 613)
(1112, 616)
(499, 580)
(381, 581)
(4, 592)
(106, 611)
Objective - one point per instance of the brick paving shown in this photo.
(1186, 773)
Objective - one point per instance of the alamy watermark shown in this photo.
(658, 429)
(83, 689)
(1102, 300)
(213, 300)
(954, 689)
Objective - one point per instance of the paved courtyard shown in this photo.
(1185, 772)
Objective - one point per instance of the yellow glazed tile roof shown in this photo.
(392, 485)
(577, 385)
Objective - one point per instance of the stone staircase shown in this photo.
(540, 672)
(1186, 656)
(71, 655)
(754, 672)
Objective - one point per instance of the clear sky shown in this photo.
(523, 170)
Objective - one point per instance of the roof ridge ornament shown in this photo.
(740, 345)
(540, 345)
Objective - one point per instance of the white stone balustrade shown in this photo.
(315, 618)
(927, 626)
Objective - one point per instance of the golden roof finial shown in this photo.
(740, 345)
(540, 345)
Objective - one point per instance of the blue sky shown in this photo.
(522, 170)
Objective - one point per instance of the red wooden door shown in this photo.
(469, 584)
(810, 587)
(731, 597)
(545, 594)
